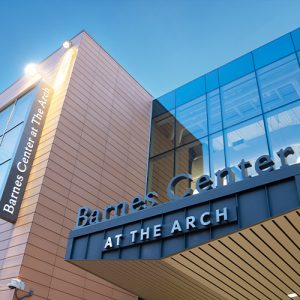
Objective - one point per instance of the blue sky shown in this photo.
(162, 43)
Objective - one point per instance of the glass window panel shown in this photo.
(236, 69)
(248, 141)
(296, 38)
(9, 143)
(4, 118)
(21, 109)
(283, 127)
(162, 133)
(191, 121)
(212, 81)
(279, 83)
(273, 51)
(217, 159)
(168, 100)
(190, 91)
(157, 108)
(193, 159)
(161, 171)
(214, 111)
(240, 100)
(4, 168)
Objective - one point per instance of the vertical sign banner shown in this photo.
(17, 179)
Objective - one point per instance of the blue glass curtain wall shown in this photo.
(247, 108)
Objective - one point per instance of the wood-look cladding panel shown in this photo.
(95, 138)
(159, 280)
(259, 262)
(263, 260)
(93, 151)
(14, 237)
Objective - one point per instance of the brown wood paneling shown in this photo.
(260, 262)
(93, 152)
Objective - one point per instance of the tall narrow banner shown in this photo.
(17, 179)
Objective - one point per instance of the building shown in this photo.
(89, 139)
(208, 209)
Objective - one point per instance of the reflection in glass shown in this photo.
(190, 91)
(279, 82)
(248, 141)
(160, 173)
(162, 133)
(214, 111)
(217, 159)
(3, 173)
(9, 143)
(240, 100)
(4, 118)
(157, 108)
(22, 107)
(191, 121)
(283, 125)
(168, 100)
(193, 159)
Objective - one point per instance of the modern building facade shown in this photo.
(95, 132)
(194, 195)
(244, 109)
